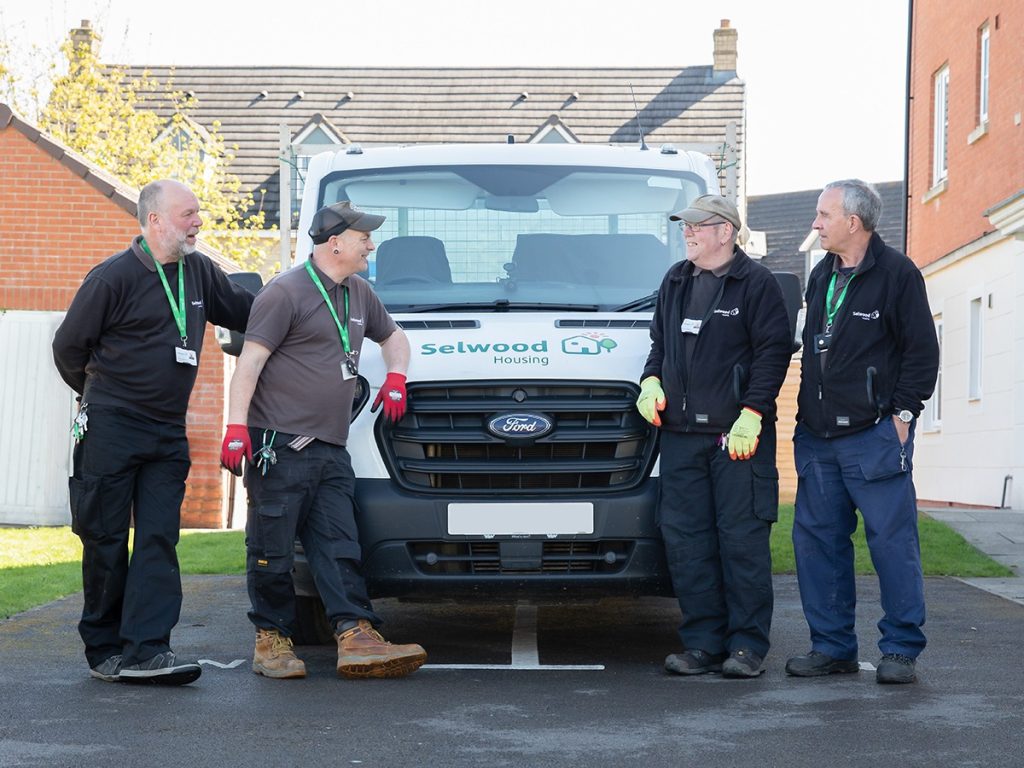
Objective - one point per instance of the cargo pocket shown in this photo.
(273, 536)
(883, 456)
(86, 509)
(766, 492)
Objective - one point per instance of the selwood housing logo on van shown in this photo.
(516, 353)
(521, 352)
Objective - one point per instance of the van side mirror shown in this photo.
(231, 341)
(793, 297)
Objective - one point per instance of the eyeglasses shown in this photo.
(684, 225)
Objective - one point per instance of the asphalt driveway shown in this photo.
(508, 685)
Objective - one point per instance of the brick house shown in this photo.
(60, 216)
(966, 232)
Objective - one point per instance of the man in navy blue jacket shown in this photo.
(870, 359)
(720, 348)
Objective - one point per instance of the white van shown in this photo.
(525, 278)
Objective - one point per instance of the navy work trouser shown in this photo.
(716, 516)
(128, 466)
(308, 493)
(870, 471)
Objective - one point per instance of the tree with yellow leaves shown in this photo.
(110, 117)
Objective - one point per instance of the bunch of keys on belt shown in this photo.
(80, 425)
(265, 456)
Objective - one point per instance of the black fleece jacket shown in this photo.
(116, 343)
(746, 326)
(884, 324)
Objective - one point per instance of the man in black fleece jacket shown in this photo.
(720, 348)
(130, 347)
(870, 358)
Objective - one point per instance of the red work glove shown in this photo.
(392, 394)
(236, 445)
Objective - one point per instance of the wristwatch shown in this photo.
(905, 416)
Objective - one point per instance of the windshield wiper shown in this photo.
(637, 304)
(501, 305)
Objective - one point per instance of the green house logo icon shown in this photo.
(588, 344)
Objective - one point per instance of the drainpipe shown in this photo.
(906, 122)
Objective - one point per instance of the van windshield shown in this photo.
(518, 237)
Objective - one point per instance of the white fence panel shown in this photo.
(36, 409)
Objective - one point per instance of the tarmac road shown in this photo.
(507, 685)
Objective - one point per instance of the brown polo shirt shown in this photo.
(301, 390)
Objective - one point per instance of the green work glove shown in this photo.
(651, 400)
(744, 434)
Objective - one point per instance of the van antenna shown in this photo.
(639, 126)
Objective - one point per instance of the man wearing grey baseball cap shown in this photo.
(292, 395)
(720, 348)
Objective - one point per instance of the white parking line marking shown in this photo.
(221, 665)
(521, 668)
(525, 656)
(524, 637)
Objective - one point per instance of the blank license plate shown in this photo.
(520, 519)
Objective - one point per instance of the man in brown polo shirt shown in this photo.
(291, 397)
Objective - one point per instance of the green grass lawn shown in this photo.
(38, 565)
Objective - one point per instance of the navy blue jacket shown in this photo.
(885, 324)
(747, 327)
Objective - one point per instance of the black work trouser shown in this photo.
(306, 493)
(715, 516)
(128, 466)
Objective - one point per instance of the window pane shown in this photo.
(983, 77)
(941, 127)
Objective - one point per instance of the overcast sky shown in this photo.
(825, 80)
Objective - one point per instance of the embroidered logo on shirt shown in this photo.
(198, 303)
(728, 312)
(867, 315)
(357, 320)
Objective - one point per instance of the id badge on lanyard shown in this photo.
(182, 355)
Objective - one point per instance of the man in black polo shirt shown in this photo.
(130, 347)
(291, 397)
(720, 348)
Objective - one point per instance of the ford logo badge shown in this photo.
(519, 427)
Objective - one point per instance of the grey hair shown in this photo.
(860, 199)
(150, 199)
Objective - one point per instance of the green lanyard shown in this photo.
(178, 310)
(831, 313)
(342, 329)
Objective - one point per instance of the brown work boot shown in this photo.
(274, 656)
(362, 652)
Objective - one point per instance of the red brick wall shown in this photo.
(786, 405)
(55, 226)
(990, 169)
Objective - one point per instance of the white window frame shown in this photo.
(940, 126)
(933, 408)
(984, 46)
(975, 346)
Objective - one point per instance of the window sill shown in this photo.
(934, 192)
(977, 133)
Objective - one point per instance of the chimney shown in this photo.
(83, 37)
(725, 48)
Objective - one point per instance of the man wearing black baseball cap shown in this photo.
(291, 396)
(720, 348)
